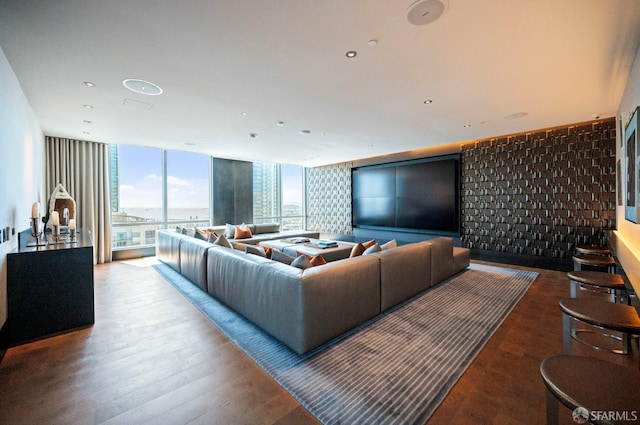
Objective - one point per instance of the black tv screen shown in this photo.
(421, 195)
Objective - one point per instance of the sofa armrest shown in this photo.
(461, 259)
(441, 259)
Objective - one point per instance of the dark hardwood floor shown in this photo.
(152, 358)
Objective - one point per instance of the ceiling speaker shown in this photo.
(424, 12)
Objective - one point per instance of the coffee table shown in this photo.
(343, 250)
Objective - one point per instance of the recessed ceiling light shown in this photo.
(253, 135)
(244, 114)
(142, 87)
(305, 132)
(85, 132)
(86, 121)
(515, 115)
(88, 106)
(372, 42)
(189, 143)
(351, 54)
(428, 101)
(89, 84)
(467, 125)
(280, 123)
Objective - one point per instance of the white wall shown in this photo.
(21, 168)
(629, 233)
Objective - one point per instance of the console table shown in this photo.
(49, 288)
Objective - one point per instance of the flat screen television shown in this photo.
(418, 196)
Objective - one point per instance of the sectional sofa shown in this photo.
(304, 308)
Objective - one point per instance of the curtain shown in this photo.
(83, 169)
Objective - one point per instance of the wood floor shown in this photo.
(152, 358)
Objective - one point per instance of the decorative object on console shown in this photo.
(72, 229)
(35, 226)
(60, 201)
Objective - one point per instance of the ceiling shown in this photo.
(229, 68)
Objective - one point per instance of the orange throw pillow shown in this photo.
(369, 244)
(242, 233)
(357, 250)
(318, 260)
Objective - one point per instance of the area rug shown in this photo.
(395, 369)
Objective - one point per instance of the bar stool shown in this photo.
(591, 388)
(592, 260)
(604, 315)
(599, 282)
(593, 250)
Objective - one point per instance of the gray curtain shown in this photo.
(83, 169)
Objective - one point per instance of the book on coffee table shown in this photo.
(323, 244)
(297, 240)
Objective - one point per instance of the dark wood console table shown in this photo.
(49, 288)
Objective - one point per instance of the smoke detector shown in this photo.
(423, 12)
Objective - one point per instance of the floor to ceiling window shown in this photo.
(292, 197)
(278, 195)
(155, 189)
(188, 188)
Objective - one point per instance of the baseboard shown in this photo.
(561, 264)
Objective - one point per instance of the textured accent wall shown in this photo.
(329, 198)
(540, 193)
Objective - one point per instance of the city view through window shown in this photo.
(154, 189)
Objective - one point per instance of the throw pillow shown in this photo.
(242, 233)
(389, 245)
(200, 235)
(229, 230)
(281, 257)
(374, 248)
(185, 231)
(318, 260)
(239, 245)
(368, 244)
(255, 250)
(213, 236)
(302, 262)
(357, 250)
(222, 241)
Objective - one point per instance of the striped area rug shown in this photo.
(395, 369)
